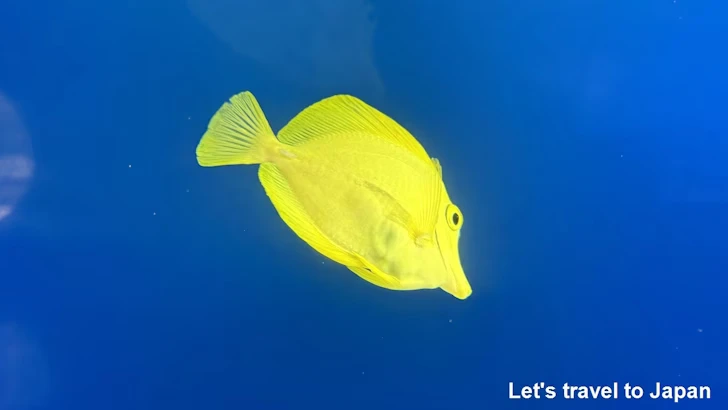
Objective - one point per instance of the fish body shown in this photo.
(353, 184)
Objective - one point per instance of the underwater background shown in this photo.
(586, 143)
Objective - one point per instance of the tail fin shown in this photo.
(237, 134)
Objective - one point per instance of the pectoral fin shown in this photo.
(419, 226)
(376, 277)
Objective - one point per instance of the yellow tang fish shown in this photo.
(353, 184)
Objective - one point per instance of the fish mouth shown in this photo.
(455, 282)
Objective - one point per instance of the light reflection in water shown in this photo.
(16, 158)
(327, 45)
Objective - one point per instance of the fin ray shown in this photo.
(347, 114)
(422, 222)
(237, 134)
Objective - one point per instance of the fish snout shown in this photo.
(457, 284)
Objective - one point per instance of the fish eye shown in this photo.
(454, 217)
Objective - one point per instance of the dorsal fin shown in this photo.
(347, 114)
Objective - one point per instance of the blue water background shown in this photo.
(585, 141)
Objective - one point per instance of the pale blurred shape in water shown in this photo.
(16, 158)
(326, 45)
(23, 371)
(5, 211)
